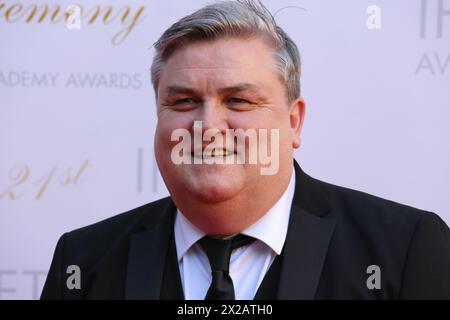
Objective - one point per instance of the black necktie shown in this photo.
(219, 253)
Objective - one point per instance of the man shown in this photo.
(230, 229)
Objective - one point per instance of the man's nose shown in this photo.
(213, 116)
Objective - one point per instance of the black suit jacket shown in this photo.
(334, 234)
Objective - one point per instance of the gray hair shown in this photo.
(241, 19)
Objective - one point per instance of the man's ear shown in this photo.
(297, 115)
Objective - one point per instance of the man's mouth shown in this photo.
(214, 153)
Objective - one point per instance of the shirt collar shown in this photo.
(271, 228)
(186, 234)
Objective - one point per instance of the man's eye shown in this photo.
(185, 101)
(237, 101)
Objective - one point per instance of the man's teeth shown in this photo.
(213, 153)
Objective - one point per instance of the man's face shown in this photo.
(226, 84)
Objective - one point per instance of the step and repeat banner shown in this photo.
(77, 111)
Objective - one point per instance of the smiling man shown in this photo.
(228, 231)
(226, 84)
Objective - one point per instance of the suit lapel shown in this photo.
(309, 233)
(304, 254)
(147, 257)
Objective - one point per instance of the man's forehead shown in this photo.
(178, 80)
(214, 66)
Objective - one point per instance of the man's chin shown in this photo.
(214, 192)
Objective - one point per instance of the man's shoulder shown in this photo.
(101, 250)
(410, 246)
(110, 230)
(364, 201)
(370, 212)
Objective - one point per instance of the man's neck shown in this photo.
(232, 216)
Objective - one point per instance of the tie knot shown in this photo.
(219, 250)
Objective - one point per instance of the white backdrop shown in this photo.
(77, 111)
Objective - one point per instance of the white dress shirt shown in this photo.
(248, 264)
